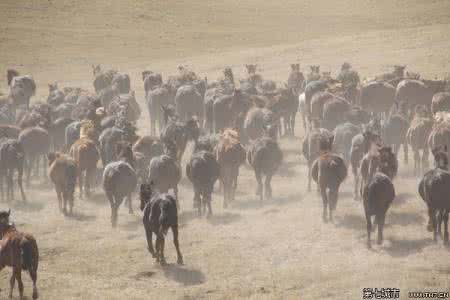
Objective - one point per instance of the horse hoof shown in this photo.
(180, 261)
(430, 228)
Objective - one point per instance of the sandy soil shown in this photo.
(278, 250)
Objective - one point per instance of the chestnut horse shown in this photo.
(20, 252)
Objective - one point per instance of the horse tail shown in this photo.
(30, 254)
(26, 251)
(71, 179)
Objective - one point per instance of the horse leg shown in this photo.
(294, 115)
(175, 191)
(58, 196)
(158, 248)
(65, 200)
(234, 184)
(18, 275)
(430, 220)
(434, 224)
(440, 219)
(445, 219)
(11, 184)
(28, 165)
(2, 191)
(304, 122)
(68, 200)
(380, 220)
(12, 282)
(44, 162)
(416, 162)
(268, 188)
(33, 275)
(111, 199)
(332, 199)
(208, 203)
(369, 229)
(405, 153)
(226, 190)
(80, 182)
(309, 175)
(196, 201)
(130, 204)
(425, 163)
(356, 179)
(323, 193)
(162, 260)
(259, 189)
(19, 182)
(87, 184)
(203, 203)
(177, 246)
(36, 166)
(152, 126)
(149, 235)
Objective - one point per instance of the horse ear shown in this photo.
(51, 156)
(9, 212)
(433, 151)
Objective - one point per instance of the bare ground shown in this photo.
(275, 250)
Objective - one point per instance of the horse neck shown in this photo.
(4, 229)
(374, 164)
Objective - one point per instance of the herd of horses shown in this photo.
(83, 137)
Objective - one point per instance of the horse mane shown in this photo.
(87, 129)
(230, 138)
(442, 117)
(10, 74)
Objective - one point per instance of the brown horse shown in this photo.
(230, 155)
(86, 155)
(20, 252)
(63, 173)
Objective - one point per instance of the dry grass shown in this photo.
(278, 250)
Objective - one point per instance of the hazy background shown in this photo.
(278, 250)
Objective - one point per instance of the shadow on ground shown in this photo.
(403, 248)
(404, 218)
(356, 222)
(402, 198)
(79, 216)
(184, 275)
(29, 206)
(98, 198)
(224, 219)
(131, 225)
